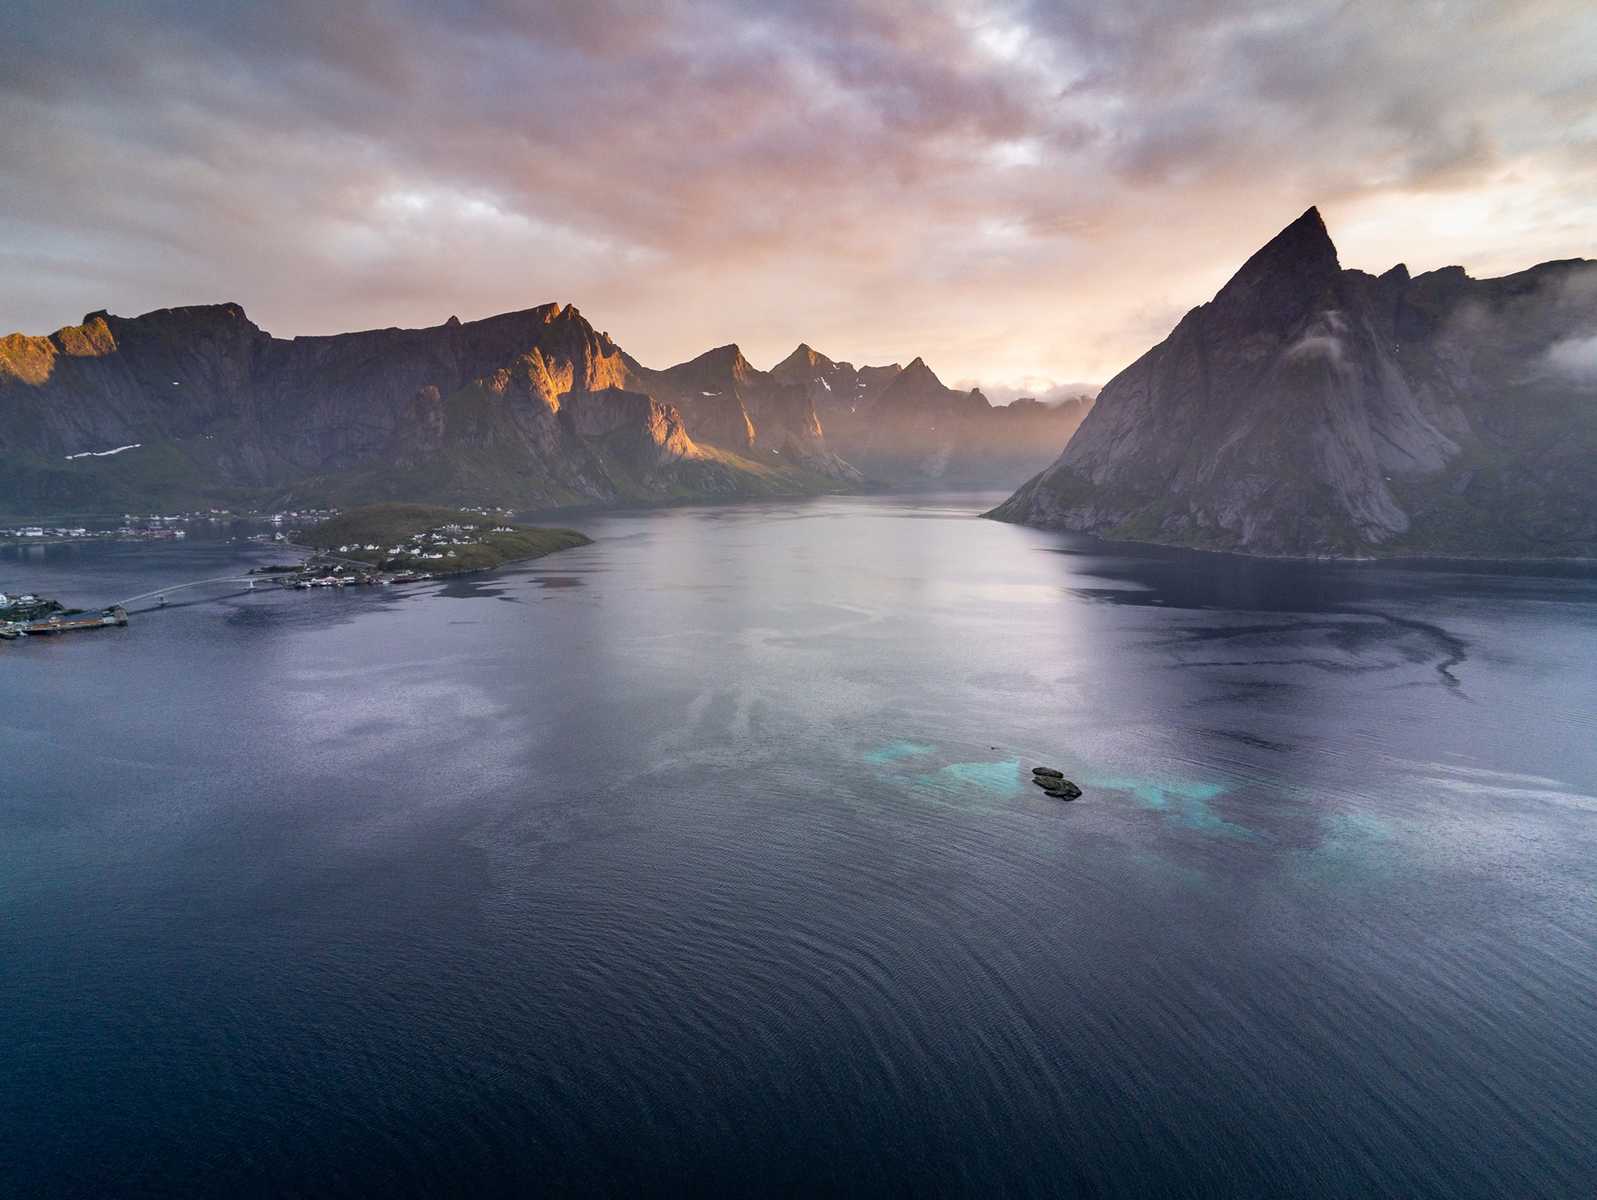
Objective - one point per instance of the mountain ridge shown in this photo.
(533, 407)
(213, 410)
(1313, 410)
(901, 425)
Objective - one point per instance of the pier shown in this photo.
(302, 577)
(60, 623)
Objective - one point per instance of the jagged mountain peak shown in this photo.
(803, 364)
(729, 354)
(916, 375)
(1303, 246)
(1283, 278)
(227, 311)
(724, 364)
(1313, 410)
(1305, 238)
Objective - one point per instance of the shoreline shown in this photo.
(1319, 559)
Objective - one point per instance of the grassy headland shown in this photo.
(441, 541)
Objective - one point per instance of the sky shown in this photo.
(1026, 194)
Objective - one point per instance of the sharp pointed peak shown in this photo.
(1287, 269)
(917, 378)
(805, 358)
(1304, 239)
(727, 359)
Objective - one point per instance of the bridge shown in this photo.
(160, 594)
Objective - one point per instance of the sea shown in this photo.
(705, 860)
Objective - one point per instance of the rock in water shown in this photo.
(1047, 773)
(1063, 789)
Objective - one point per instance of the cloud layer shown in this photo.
(1024, 193)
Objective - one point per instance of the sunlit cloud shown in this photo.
(1024, 193)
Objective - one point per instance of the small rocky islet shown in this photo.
(1054, 784)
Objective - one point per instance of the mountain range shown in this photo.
(1306, 410)
(904, 425)
(1312, 410)
(535, 409)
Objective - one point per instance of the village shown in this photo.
(433, 545)
(441, 550)
(45, 535)
(159, 527)
(375, 546)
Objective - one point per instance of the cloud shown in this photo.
(1014, 190)
(1324, 340)
(1046, 390)
(1575, 359)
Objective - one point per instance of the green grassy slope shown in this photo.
(388, 525)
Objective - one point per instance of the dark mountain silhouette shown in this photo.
(189, 407)
(1312, 410)
(197, 405)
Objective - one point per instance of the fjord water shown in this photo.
(704, 858)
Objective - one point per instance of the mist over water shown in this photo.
(705, 858)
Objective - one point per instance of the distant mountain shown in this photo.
(1312, 410)
(901, 425)
(190, 406)
(728, 402)
(844, 397)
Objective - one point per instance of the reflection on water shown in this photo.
(705, 858)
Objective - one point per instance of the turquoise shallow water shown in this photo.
(704, 859)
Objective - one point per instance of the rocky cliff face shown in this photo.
(710, 392)
(1312, 410)
(728, 402)
(526, 408)
(193, 406)
(843, 396)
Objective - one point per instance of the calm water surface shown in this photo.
(703, 859)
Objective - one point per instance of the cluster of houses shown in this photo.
(26, 607)
(344, 577)
(297, 516)
(434, 545)
(63, 533)
(40, 531)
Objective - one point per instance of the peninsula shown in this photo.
(435, 540)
